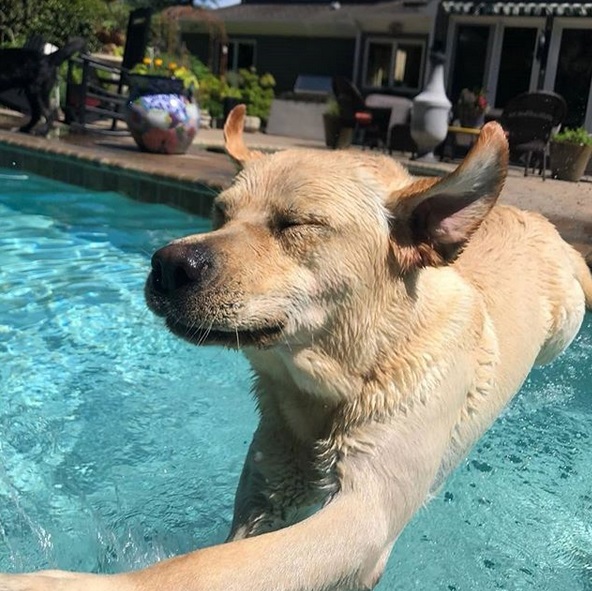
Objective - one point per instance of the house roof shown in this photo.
(308, 17)
(328, 11)
(516, 8)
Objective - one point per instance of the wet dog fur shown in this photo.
(388, 320)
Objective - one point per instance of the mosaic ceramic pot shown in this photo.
(163, 123)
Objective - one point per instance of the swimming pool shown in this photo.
(120, 444)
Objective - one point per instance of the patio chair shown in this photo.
(97, 89)
(353, 111)
(379, 120)
(399, 125)
(529, 120)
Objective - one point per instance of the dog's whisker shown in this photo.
(205, 332)
(198, 332)
(286, 339)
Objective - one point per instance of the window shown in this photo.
(515, 64)
(574, 73)
(496, 54)
(393, 64)
(241, 54)
(472, 43)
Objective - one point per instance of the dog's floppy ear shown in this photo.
(233, 137)
(432, 219)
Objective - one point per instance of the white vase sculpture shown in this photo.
(431, 111)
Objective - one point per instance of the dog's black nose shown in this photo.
(178, 265)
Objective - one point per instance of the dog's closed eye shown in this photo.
(291, 224)
(285, 224)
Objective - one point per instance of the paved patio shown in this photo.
(567, 205)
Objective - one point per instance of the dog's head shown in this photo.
(301, 234)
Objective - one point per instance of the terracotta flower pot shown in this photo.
(569, 161)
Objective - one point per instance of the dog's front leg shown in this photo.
(36, 110)
(343, 546)
(278, 485)
(384, 476)
(56, 580)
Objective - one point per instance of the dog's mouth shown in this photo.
(198, 329)
(234, 338)
(184, 287)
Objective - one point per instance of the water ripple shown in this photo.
(120, 445)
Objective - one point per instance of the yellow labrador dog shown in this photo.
(388, 320)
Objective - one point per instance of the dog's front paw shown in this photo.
(60, 580)
(18, 583)
(49, 580)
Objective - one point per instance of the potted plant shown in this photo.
(570, 152)
(336, 135)
(154, 76)
(471, 107)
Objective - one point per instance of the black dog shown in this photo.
(36, 74)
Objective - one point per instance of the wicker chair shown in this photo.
(529, 120)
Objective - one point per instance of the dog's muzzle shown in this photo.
(176, 266)
(182, 289)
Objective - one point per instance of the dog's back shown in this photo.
(35, 74)
(535, 288)
(20, 67)
(518, 256)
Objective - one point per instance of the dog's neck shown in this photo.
(306, 386)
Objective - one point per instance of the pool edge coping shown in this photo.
(84, 167)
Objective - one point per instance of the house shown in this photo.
(503, 46)
(508, 47)
(381, 45)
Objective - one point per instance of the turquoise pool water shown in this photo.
(120, 444)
